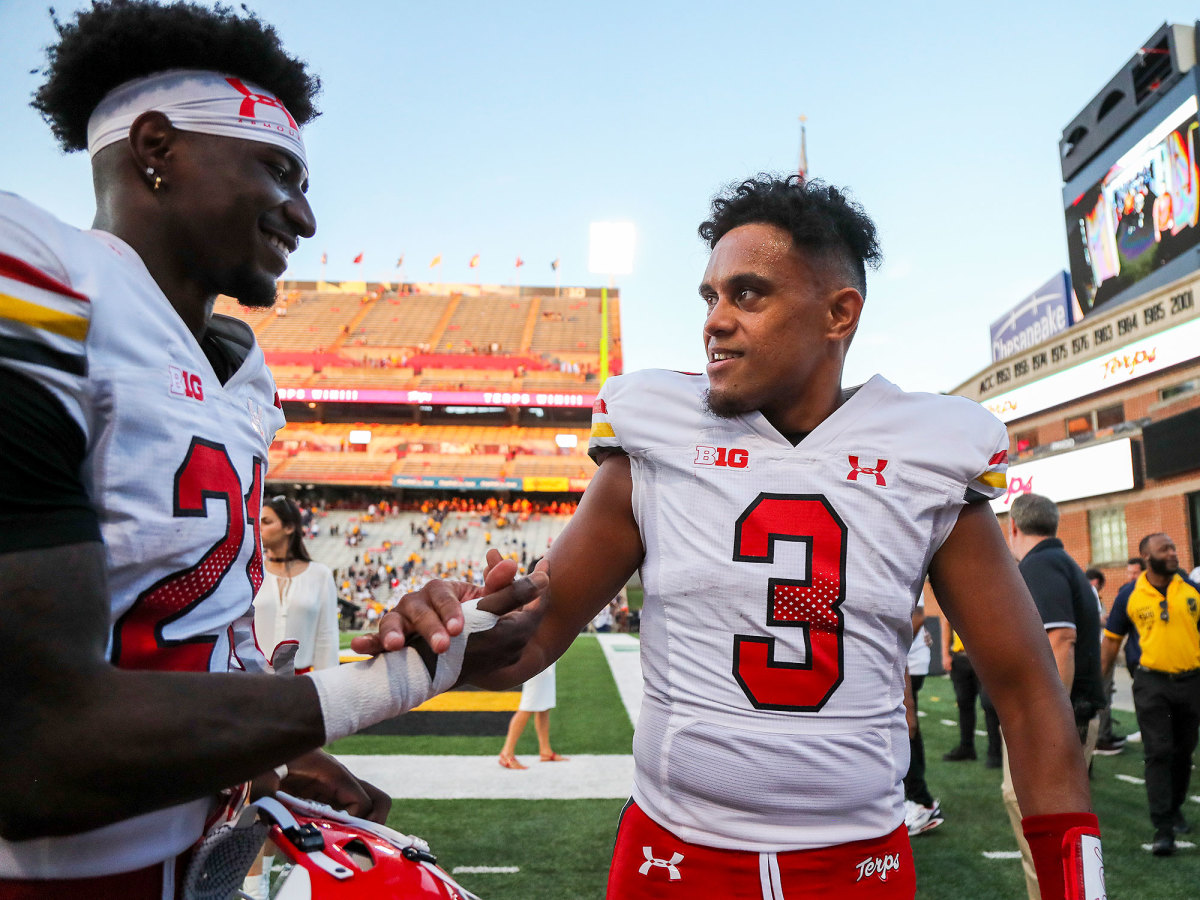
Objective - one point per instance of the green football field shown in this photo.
(560, 848)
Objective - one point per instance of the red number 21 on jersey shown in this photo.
(813, 603)
(206, 474)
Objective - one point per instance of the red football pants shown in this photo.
(651, 863)
(151, 883)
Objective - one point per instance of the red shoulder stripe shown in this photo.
(1001, 457)
(19, 270)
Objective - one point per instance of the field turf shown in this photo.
(560, 848)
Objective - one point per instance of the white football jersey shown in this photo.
(175, 467)
(779, 587)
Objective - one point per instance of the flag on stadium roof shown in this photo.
(437, 261)
(324, 258)
(803, 168)
(520, 262)
(400, 262)
(475, 261)
(358, 258)
(554, 265)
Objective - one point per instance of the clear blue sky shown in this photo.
(504, 129)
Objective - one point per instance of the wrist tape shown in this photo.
(360, 694)
(1066, 854)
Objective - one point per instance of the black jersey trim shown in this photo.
(39, 354)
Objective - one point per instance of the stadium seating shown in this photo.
(425, 337)
(535, 534)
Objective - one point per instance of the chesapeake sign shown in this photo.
(1037, 318)
(1120, 344)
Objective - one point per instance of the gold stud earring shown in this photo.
(157, 178)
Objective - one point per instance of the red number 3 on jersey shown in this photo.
(813, 603)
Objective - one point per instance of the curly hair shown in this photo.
(116, 41)
(819, 217)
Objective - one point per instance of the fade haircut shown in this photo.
(821, 219)
(116, 41)
(1035, 515)
(1144, 545)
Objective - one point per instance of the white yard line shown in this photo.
(623, 654)
(583, 776)
(452, 777)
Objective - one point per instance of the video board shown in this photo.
(1141, 215)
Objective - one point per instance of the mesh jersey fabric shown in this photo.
(779, 586)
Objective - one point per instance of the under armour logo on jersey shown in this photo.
(875, 471)
(878, 865)
(734, 458)
(671, 865)
(186, 384)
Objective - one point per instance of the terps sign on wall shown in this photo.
(1089, 472)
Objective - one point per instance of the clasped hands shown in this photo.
(434, 614)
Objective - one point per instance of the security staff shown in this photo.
(1163, 609)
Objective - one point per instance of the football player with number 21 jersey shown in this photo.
(784, 528)
(136, 426)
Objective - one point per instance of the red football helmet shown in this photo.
(326, 854)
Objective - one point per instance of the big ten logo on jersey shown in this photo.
(186, 384)
(729, 457)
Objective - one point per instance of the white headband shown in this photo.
(196, 100)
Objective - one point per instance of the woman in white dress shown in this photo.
(538, 696)
(296, 606)
(297, 602)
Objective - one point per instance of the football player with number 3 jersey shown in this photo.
(801, 573)
(784, 528)
(136, 426)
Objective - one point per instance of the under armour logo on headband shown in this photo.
(251, 98)
(200, 101)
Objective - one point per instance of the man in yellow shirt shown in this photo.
(1163, 608)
